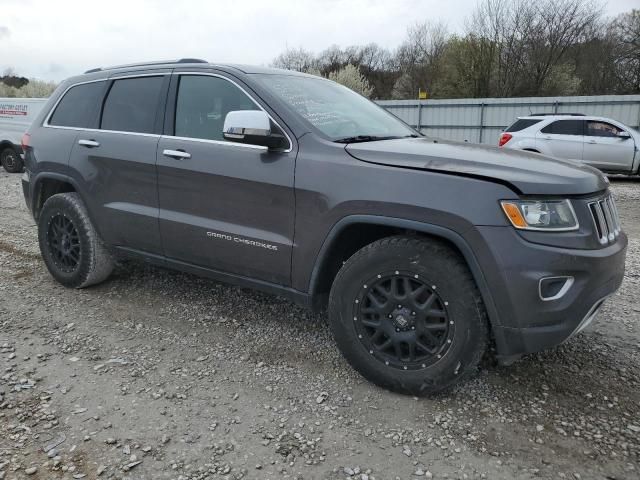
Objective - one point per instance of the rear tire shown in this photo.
(71, 248)
(407, 314)
(11, 160)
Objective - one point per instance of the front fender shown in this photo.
(434, 230)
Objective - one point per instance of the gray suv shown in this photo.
(427, 254)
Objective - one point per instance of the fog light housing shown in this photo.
(554, 288)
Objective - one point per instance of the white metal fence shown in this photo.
(480, 120)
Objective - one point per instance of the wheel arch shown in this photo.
(376, 227)
(46, 185)
(9, 144)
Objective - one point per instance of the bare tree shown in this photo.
(626, 31)
(419, 59)
(557, 26)
(296, 59)
(509, 48)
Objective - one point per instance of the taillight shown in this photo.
(26, 139)
(504, 138)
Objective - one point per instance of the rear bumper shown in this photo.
(526, 322)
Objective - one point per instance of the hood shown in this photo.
(526, 172)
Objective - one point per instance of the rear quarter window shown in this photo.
(521, 125)
(78, 106)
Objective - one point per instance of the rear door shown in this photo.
(562, 139)
(603, 148)
(116, 162)
(223, 205)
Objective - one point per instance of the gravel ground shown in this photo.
(162, 375)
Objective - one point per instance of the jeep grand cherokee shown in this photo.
(425, 252)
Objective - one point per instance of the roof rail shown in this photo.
(160, 62)
(556, 114)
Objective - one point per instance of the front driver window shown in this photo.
(203, 103)
(602, 129)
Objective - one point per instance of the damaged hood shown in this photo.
(526, 172)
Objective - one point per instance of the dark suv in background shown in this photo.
(425, 252)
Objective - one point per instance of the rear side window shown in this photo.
(131, 105)
(565, 127)
(78, 106)
(521, 125)
(203, 103)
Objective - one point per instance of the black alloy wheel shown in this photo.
(402, 320)
(406, 313)
(63, 241)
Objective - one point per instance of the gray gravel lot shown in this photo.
(162, 375)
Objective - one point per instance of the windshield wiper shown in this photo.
(364, 138)
(371, 138)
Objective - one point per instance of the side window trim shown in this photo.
(169, 118)
(108, 82)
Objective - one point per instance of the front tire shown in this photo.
(11, 161)
(71, 248)
(407, 314)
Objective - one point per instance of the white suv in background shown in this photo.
(600, 142)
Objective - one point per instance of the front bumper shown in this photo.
(513, 268)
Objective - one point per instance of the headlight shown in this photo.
(547, 215)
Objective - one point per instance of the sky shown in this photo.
(55, 39)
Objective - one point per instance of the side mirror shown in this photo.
(252, 127)
(624, 135)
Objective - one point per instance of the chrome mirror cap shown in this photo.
(252, 127)
(242, 123)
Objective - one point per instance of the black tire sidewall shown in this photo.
(18, 165)
(453, 285)
(59, 204)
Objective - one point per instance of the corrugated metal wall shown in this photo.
(481, 120)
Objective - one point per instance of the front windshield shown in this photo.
(336, 111)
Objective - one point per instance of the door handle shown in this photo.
(89, 143)
(592, 141)
(176, 154)
(547, 137)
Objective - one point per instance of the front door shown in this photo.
(603, 148)
(224, 206)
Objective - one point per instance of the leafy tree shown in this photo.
(10, 79)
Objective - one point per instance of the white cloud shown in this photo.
(56, 39)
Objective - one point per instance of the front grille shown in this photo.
(605, 219)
